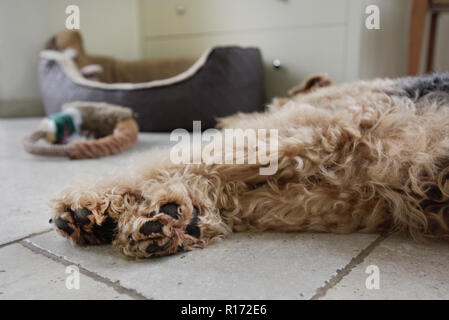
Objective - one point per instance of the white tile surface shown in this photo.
(245, 266)
(407, 270)
(27, 275)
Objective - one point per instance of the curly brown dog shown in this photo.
(368, 156)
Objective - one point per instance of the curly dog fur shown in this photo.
(368, 156)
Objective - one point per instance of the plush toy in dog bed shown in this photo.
(84, 130)
(167, 94)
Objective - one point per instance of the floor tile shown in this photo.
(244, 266)
(407, 270)
(27, 275)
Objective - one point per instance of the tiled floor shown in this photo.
(34, 260)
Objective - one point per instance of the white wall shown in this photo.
(441, 58)
(384, 52)
(307, 36)
(109, 27)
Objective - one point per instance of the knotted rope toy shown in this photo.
(84, 130)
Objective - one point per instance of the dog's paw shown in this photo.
(83, 227)
(170, 229)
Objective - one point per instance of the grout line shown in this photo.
(25, 237)
(95, 276)
(341, 273)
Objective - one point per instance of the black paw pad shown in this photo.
(170, 209)
(154, 247)
(105, 232)
(151, 227)
(81, 215)
(64, 226)
(192, 228)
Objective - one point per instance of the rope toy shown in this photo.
(84, 130)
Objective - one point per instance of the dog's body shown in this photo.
(369, 156)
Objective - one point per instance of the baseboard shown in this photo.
(21, 108)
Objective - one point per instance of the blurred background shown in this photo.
(304, 36)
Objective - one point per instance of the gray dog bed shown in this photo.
(223, 81)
